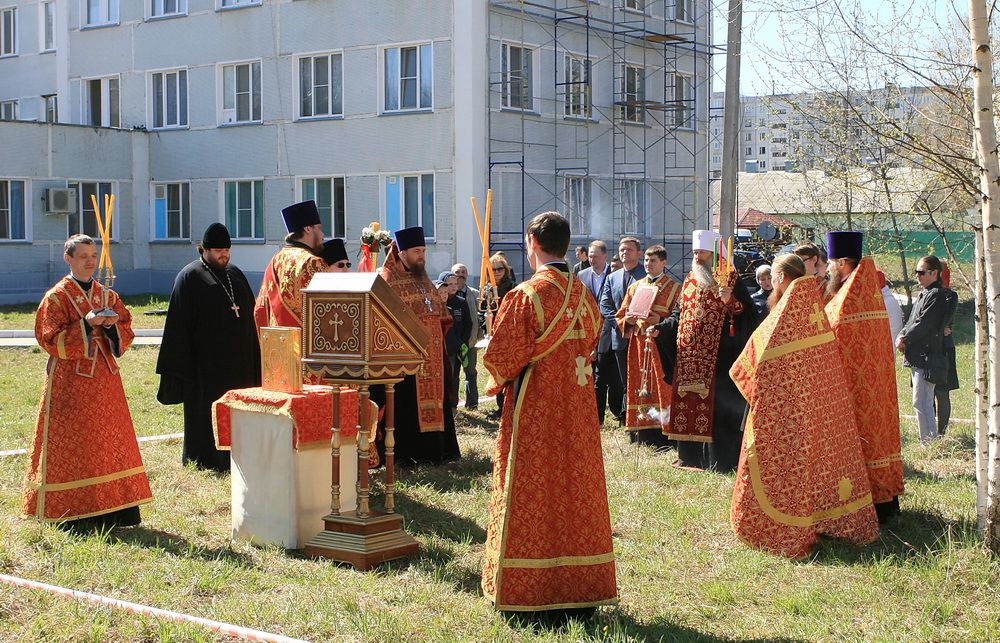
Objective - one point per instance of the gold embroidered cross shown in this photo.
(336, 322)
(817, 318)
(583, 369)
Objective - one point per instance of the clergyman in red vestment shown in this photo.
(85, 463)
(801, 472)
(861, 324)
(646, 416)
(548, 534)
(279, 302)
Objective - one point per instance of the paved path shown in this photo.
(26, 338)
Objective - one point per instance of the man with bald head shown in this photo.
(472, 302)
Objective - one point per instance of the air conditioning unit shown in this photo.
(60, 201)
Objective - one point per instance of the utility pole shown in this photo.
(731, 122)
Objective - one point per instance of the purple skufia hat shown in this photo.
(844, 243)
(410, 238)
(300, 215)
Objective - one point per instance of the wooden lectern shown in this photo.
(357, 331)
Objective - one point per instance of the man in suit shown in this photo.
(606, 382)
(617, 283)
(582, 259)
(472, 302)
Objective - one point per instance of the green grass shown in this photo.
(682, 575)
(22, 316)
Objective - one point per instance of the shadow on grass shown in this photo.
(471, 471)
(434, 521)
(615, 624)
(476, 420)
(176, 545)
(913, 473)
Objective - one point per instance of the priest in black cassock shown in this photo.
(209, 344)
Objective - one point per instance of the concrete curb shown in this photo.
(30, 334)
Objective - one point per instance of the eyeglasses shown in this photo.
(920, 273)
(498, 269)
(343, 264)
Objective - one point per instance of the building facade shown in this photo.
(196, 111)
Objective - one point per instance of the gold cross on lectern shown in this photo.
(336, 322)
(583, 369)
(817, 318)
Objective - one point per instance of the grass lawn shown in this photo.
(682, 575)
(22, 316)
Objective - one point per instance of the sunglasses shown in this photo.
(921, 272)
(343, 264)
(498, 269)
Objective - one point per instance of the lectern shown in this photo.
(357, 331)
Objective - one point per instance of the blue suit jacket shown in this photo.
(613, 296)
(588, 278)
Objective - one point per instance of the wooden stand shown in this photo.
(364, 538)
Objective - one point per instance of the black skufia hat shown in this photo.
(216, 236)
(300, 215)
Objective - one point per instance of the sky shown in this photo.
(766, 24)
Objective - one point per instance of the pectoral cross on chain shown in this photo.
(235, 309)
(583, 369)
(817, 318)
(336, 322)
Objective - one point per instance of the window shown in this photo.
(100, 12)
(245, 209)
(763, 150)
(328, 193)
(762, 164)
(763, 136)
(576, 80)
(635, 5)
(684, 10)
(164, 8)
(101, 102)
(633, 206)
(225, 4)
(683, 101)
(632, 94)
(409, 201)
(169, 98)
(577, 198)
(8, 31)
(47, 22)
(749, 151)
(409, 78)
(12, 210)
(321, 86)
(50, 105)
(517, 80)
(241, 93)
(749, 137)
(8, 110)
(85, 219)
(171, 211)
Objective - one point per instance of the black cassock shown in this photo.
(206, 351)
(723, 452)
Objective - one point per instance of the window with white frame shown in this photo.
(101, 98)
(164, 8)
(171, 211)
(684, 10)
(749, 151)
(12, 217)
(632, 93)
(85, 219)
(50, 107)
(635, 5)
(321, 86)
(100, 12)
(225, 4)
(683, 100)
(517, 77)
(244, 209)
(633, 206)
(576, 85)
(577, 199)
(408, 78)
(241, 92)
(328, 193)
(409, 201)
(8, 110)
(8, 31)
(47, 24)
(169, 98)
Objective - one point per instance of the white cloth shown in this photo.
(705, 240)
(895, 314)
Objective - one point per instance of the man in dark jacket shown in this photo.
(612, 296)
(457, 339)
(921, 344)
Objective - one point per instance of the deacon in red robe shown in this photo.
(85, 461)
(647, 409)
(801, 472)
(698, 344)
(861, 324)
(548, 535)
(425, 424)
(279, 302)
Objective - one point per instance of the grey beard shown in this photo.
(702, 276)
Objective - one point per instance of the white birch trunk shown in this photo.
(986, 147)
(982, 390)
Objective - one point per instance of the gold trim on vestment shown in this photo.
(61, 344)
(536, 302)
(884, 461)
(89, 482)
(684, 437)
(552, 606)
(134, 503)
(774, 352)
(863, 316)
(775, 514)
(562, 309)
(43, 459)
(558, 561)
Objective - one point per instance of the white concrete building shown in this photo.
(195, 111)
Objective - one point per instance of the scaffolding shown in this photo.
(629, 159)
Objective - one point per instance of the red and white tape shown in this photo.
(235, 631)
